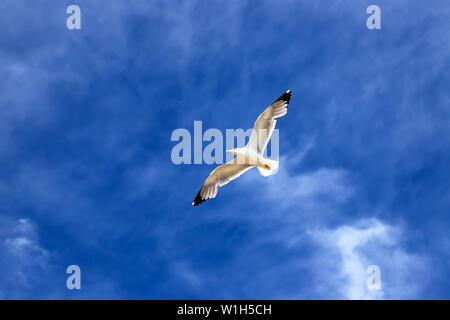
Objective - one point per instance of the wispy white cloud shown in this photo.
(185, 272)
(323, 182)
(23, 257)
(348, 250)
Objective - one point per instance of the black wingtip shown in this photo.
(285, 96)
(198, 199)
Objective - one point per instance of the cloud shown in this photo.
(23, 258)
(187, 274)
(349, 249)
(323, 182)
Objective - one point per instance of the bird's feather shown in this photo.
(265, 124)
(219, 177)
(262, 131)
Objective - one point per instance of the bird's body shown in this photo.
(251, 155)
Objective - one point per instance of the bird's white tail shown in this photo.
(270, 167)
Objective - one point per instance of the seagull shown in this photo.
(251, 155)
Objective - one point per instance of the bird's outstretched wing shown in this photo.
(220, 176)
(265, 124)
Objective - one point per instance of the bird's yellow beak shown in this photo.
(228, 150)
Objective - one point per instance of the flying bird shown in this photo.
(251, 155)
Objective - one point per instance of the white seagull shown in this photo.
(251, 155)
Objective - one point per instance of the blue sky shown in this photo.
(86, 176)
